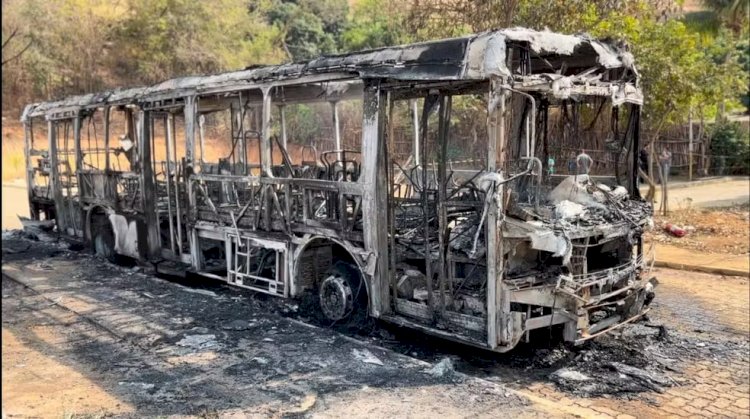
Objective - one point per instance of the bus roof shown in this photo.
(472, 57)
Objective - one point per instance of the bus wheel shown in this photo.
(104, 243)
(342, 295)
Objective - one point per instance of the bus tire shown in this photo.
(342, 295)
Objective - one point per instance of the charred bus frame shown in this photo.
(472, 254)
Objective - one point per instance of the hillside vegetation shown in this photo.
(695, 58)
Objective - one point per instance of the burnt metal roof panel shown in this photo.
(473, 57)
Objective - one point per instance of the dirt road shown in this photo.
(84, 337)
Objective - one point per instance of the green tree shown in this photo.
(723, 25)
(743, 58)
(447, 18)
(679, 68)
(735, 14)
(79, 46)
(730, 148)
(373, 24)
(68, 47)
(309, 29)
(162, 38)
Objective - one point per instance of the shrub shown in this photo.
(730, 149)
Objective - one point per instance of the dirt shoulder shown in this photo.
(715, 239)
(724, 231)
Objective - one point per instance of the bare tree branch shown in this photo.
(19, 53)
(11, 36)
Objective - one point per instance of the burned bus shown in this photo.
(479, 188)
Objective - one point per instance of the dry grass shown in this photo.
(13, 150)
(12, 143)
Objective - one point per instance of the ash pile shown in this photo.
(644, 358)
(578, 201)
(620, 368)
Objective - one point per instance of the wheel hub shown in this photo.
(336, 299)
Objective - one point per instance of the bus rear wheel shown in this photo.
(342, 297)
(104, 242)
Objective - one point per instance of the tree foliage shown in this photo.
(79, 46)
(730, 147)
(160, 38)
(309, 28)
(680, 68)
(373, 24)
(735, 14)
(57, 47)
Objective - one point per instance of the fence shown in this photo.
(704, 163)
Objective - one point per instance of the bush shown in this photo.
(730, 149)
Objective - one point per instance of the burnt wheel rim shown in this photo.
(336, 299)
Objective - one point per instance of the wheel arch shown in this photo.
(96, 211)
(340, 251)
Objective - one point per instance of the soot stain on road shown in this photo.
(187, 350)
(244, 331)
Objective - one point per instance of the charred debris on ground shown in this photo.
(643, 358)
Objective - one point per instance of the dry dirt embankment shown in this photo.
(717, 240)
(15, 203)
(12, 146)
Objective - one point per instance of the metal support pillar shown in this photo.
(148, 194)
(336, 128)
(282, 112)
(374, 201)
(415, 124)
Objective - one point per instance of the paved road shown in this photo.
(711, 195)
(15, 203)
(126, 343)
(82, 336)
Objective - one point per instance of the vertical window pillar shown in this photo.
(374, 183)
(265, 134)
(415, 125)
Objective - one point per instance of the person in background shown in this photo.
(665, 161)
(583, 163)
(572, 163)
(551, 165)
